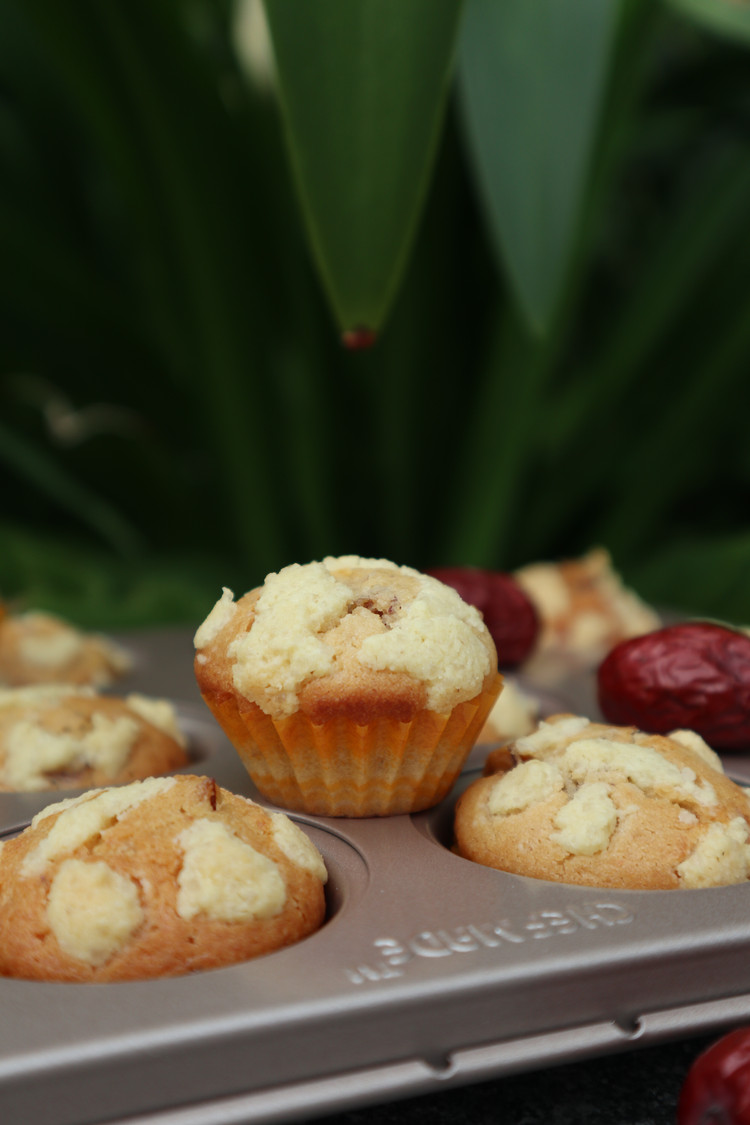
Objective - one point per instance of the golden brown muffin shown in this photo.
(584, 610)
(39, 648)
(58, 736)
(350, 687)
(605, 806)
(158, 878)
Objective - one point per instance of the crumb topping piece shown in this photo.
(220, 615)
(52, 645)
(92, 910)
(526, 785)
(224, 877)
(85, 818)
(297, 846)
(284, 650)
(32, 753)
(722, 856)
(602, 758)
(586, 823)
(49, 649)
(159, 712)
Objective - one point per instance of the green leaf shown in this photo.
(730, 18)
(533, 75)
(36, 465)
(363, 86)
(705, 576)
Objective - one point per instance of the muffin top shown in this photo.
(588, 803)
(341, 636)
(160, 877)
(583, 606)
(40, 648)
(58, 736)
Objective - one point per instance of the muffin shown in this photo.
(39, 648)
(604, 806)
(584, 610)
(349, 687)
(157, 878)
(59, 736)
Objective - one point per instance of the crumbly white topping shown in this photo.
(225, 878)
(603, 759)
(437, 640)
(283, 650)
(551, 735)
(92, 910)
(356, 562)
(297, 846)
(40, 695)
(586, 823)
(221, 614)
(547, 589)
(721, 857)
(50, 647)
(436, 637)
(528, 784)
(84, 818)
(561, 758)
(514, 714)
(50, 643)
(612, 610)
(32, 753)
(160, 713)
(693, 741)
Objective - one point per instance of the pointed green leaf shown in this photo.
(362, 85)
(532, 77)
(725, 17)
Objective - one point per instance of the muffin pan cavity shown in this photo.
(429, 971)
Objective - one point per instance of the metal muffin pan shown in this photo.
(430, 971)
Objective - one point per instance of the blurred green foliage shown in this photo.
(545, 219)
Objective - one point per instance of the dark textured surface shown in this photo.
(638, 1088)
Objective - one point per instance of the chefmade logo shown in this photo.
(393, 955)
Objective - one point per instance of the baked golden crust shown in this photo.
(39, 648)
(351, 690)
(66, 737)
(180, 875)
(376, 602)
(596, 805)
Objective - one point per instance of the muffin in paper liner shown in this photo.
(349, 687)
(340, 768)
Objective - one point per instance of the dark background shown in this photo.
(177, 411)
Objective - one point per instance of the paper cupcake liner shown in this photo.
(338, 768)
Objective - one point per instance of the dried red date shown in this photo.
(716, 1090)
(508, 612)
(694, 676)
